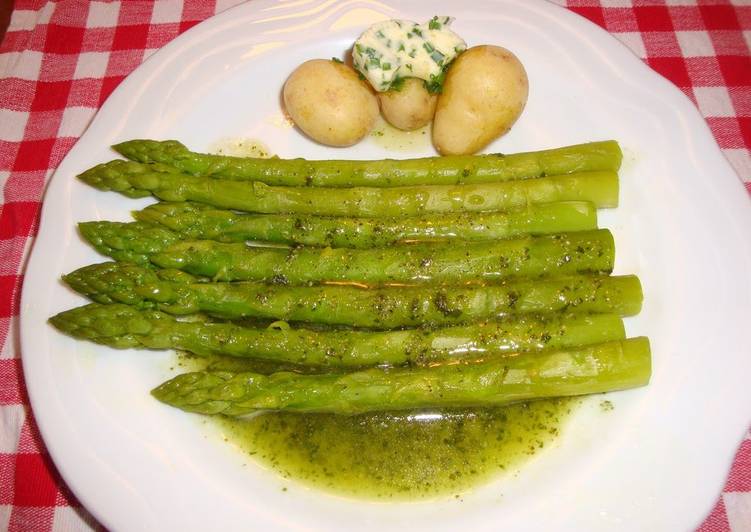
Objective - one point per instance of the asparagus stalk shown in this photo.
(601, 188)
(129, 242)
(448, 170)
(564, 253)
(195, 221)
(492, 381)
(123, 326)
(382, 308)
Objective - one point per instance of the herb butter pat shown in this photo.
(395, 49)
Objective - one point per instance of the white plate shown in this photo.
(656, 463)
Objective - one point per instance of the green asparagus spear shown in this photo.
(448, 170)
(196, 221)
(563, 253)
(601, 188)
(382, 308)
(123, 326)
(486, 382)
(136, 241)
(128, 242)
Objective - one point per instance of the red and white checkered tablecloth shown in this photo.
(61, 59)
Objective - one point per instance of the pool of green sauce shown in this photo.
(409, 455)
(399, 455)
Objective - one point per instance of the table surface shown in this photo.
(60, 60)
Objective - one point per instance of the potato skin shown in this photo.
(330, 103)
(484, 93)
(410, 107)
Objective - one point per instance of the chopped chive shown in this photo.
(397, 84)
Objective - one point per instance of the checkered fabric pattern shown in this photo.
(60, 60)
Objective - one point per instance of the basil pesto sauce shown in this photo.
(401, 455)
(408, 455)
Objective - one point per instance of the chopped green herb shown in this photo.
(435, 24)
(397, 84)
(437, 57)
(336, 60)
(435, 85)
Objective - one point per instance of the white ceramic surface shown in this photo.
(657, 462)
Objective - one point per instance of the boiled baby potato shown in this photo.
(329, 102)
(484, 93)
(410, 106)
